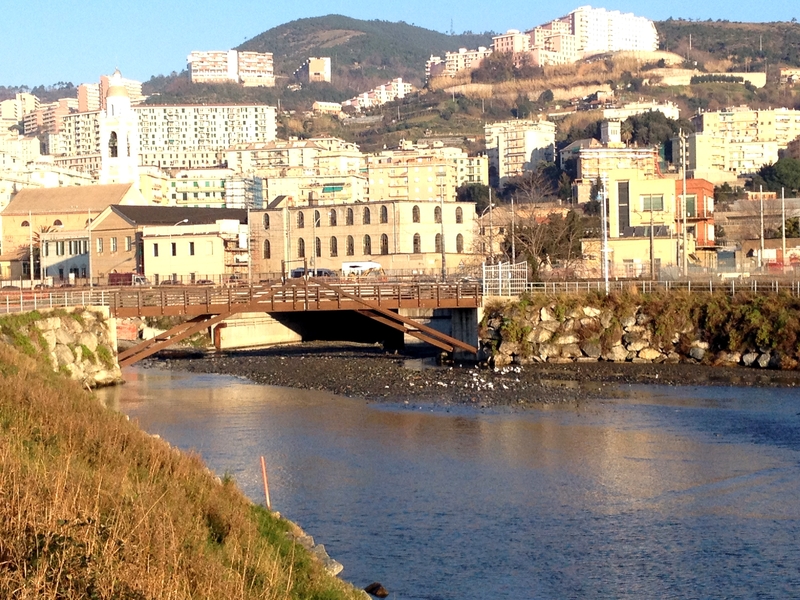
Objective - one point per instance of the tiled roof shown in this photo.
(169, 215)
(71, 199)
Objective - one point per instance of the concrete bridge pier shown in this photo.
(460, 323)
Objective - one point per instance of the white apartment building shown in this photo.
(453, 62)
(668, 109)
(251, 69)
(599, 30)
(92, 96)
(517, 146)
(388, 92)
(14, 109)
(173, 136)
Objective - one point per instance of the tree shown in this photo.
(773, 176)
(474, 192)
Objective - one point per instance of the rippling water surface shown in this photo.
(671, 492)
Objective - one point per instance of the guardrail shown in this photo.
(20, 301)
(730, 286)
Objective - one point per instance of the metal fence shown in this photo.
(505, 279)
(730, 286)
(20, 301)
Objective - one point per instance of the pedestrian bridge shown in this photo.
(382, 302)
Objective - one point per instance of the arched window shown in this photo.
(384, 244)
(332, 218)
(367, 245)
(318, 247)
(349, 219)
(351, 246)
(301, 248)
(266, 221)
(438, 243)
(112, 145)
(459, 243)
(366, 215)
(267, 249)
(384, 214)
(437, 214)
(334, 247)
(58, 223)
(417, 244)
(459, 215)
(317, 219)
(301, 220)
(24, 224)
(415, 214)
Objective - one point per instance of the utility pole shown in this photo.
(249, 245)
(30, 240)
(652, 250)
(441, 223)
(684, 257)
(513, 232)
(89, 231)
(783, 231)
(491, 229)
(604, 224)
(761, 236)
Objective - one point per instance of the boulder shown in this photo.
(51, 323)
(764, 360)
(541, 335)
(673, 358)
(64, 337)
(606, 319)
(592, 348)
(545, 314)
(649, 354)
(377, 590)
(700, 344)
(571, 351)
(591, 312)
(551, 326)
(617, 353)
(567, 339)
(64, 355)
(89, 340)
(568, 325)
(588, 322)
(697, 353)
(643, 319)
(50, 337)
(627, 322)
(549, 350)
(749, 358)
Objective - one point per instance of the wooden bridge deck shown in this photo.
(292, 297)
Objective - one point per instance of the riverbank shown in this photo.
(366, 371)
(91, 506)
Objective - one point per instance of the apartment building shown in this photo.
(49, 118)
(453, 62)
(388, 92)
(172, 136)
(631, 109)
(318, 155)
(512, 41)
(14, 109)
(92, 96)
(468, 169)
(514, 147)
(251, 69)
(299, 187)
(314, 70)
(743, 124)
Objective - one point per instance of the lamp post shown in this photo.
(89, 233)
(441, 175)
(170, 239)
(604, 222)
(30, 241)
(491, 227)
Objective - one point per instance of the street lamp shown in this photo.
(441, 174)
(170, 243)
(491, 229)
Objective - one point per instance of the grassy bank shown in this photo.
(93, 507)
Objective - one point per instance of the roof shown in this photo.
(170, 215)
(67, 200)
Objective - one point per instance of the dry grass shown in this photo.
(92, 507)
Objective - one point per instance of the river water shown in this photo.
(667, 493)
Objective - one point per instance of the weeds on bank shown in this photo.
(740, 323)
(92, 507)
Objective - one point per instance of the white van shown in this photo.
(361, 268)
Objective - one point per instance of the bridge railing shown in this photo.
(730, 286)
(21, 301)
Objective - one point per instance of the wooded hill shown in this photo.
(371, 50)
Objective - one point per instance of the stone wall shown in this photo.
(532, 333)
(81, 343)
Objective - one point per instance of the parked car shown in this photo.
(171, 282)
(302, 272)
(204, 282)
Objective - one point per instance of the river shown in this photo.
(667, 492)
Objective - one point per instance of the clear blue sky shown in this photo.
(42, 42)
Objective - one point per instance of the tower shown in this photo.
(119, 136)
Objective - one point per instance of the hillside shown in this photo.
(371, 50)
(747, 46)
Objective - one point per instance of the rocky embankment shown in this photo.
(79, 343)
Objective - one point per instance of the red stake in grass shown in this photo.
(266, 485)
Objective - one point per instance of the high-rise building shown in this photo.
(251, 69)
(518, 146)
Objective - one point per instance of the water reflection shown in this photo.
(664, 493)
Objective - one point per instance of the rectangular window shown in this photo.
(691, 206)
(174, 249)
(191, 248)
(653, 202)
(99, 245)
(60, 249)
(128, 243)
(85, 247)
(47, 248)
(155, 249)
(113, 244)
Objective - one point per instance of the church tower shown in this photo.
(119, 136)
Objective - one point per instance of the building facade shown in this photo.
(251, 69)
(514, 147)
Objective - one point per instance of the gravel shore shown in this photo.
(366, 371)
